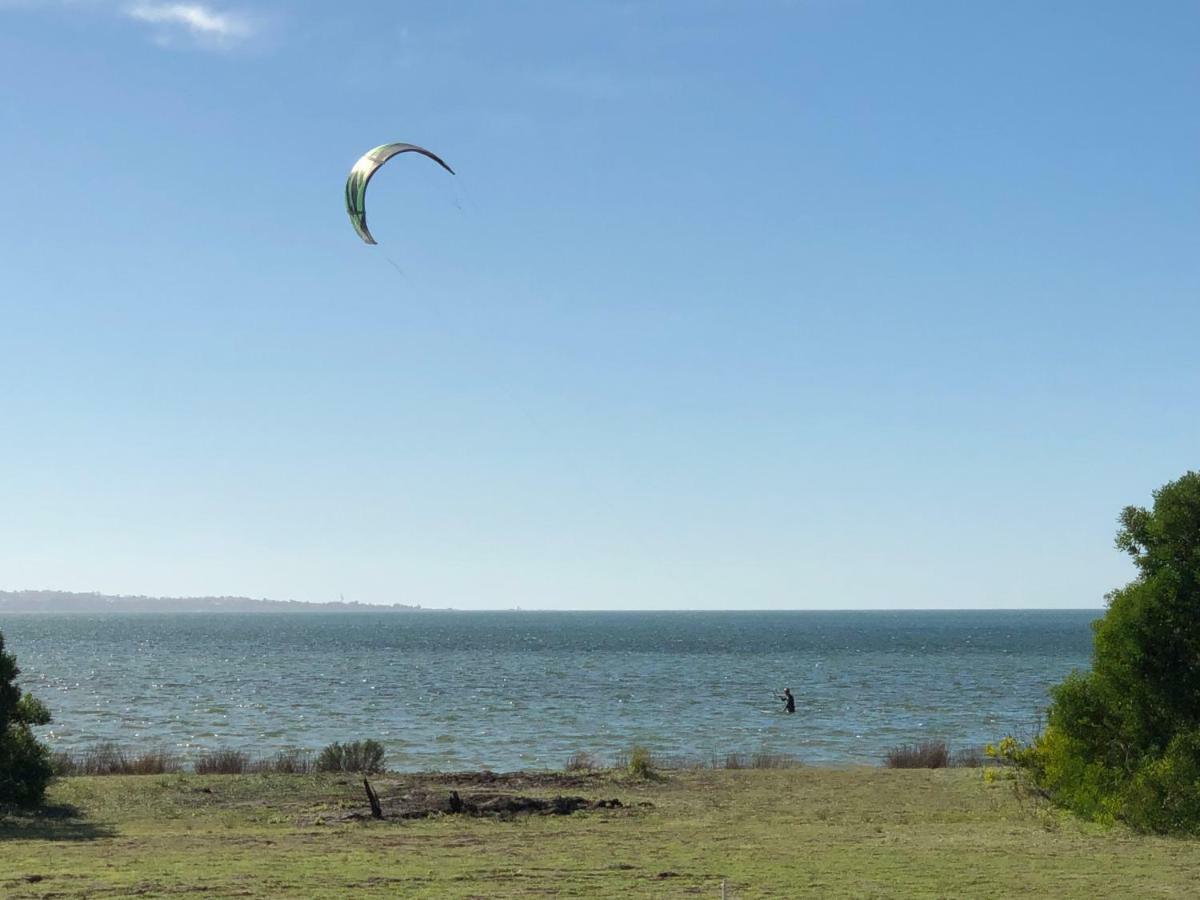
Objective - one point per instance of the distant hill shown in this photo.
(67, 602)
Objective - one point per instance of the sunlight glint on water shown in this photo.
(524, 690)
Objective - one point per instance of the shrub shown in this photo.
(925, 755)
(760, 760)
(25, 767)
(285, 762)
(153, 762)
(102, 759)
(359, 756)
(1122, 741)
(582, 761)
(764, 760)
(222, 762)
(63, 764)
(641, 763)
(1164, 795)
(109, 759)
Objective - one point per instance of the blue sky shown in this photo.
(731, 305)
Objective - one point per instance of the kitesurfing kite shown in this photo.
(360, 176)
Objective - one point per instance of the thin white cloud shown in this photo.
(170, 23)
(201, 22)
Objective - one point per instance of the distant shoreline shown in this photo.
(68, 602)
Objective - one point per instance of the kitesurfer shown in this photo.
(789, 701)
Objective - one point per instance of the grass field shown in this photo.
(765, 833)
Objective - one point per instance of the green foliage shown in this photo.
(1123, 740)
(357, 756)
(24, 762)
(1165, 793)
(641, 763)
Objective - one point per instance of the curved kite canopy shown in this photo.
(360, 176)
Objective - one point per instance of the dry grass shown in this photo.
(223, 762)
(582, 761)
(923, 755)
(286, 762)
(109, 759)
(760, 760)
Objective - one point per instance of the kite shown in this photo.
(360, 176)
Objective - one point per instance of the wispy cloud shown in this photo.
(170, 24)
(201, 23)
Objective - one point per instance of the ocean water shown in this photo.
(509, 690)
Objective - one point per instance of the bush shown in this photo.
(222, 762)
(925, 755)
(734, 761)
(63, 764)
(764, 760)
(109, 759)
(365, 757)
(582, 761)
(1164, 795)
(760, 760)
(285, 762)
(25, 767)
(641, 763)
(1122, 741)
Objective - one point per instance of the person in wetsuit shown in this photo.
(789, 702)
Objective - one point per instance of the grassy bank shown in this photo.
(767, 833)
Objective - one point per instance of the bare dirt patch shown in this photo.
(516, 781)
(459, 796)
(421, 804)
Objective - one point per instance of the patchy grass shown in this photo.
(765, 832)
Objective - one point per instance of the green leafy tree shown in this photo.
(24, 761)
(1123, 740)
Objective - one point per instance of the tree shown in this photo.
(24, 761)
(1122, 741)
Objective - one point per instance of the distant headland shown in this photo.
(68, 602)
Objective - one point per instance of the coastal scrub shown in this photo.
(24, 761)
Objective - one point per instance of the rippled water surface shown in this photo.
(521, 689)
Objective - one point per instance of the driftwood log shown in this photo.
(373, 799)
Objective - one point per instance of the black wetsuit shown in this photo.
(791, 702)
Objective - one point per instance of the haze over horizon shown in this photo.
(768, 306)
(42, 600)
